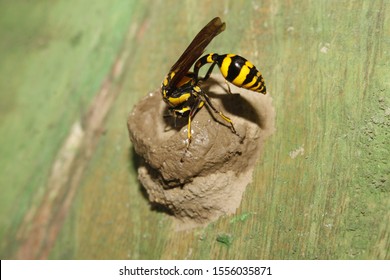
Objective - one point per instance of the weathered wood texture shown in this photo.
(320, 191)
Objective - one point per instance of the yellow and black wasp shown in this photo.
(180, 88)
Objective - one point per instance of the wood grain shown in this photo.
(321, 188)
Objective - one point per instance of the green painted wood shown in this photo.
(321, 188)
(53, 59)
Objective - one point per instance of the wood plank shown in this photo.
(320, 189)
(52, 65)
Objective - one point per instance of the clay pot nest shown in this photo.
(207, 180)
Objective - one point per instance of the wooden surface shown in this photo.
(69, 78)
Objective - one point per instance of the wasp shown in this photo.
(181, 87)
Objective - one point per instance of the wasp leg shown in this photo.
(207, 76)
(193, 110)
(174, 118)
(201, 62)
(180, 111)
(173, 115)
(227, 119)
(228, 86)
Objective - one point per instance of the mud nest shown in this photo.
(206, 181)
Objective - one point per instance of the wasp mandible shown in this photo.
(180, 88)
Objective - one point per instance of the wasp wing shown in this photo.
(195, 49)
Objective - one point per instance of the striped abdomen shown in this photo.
(235, 69)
